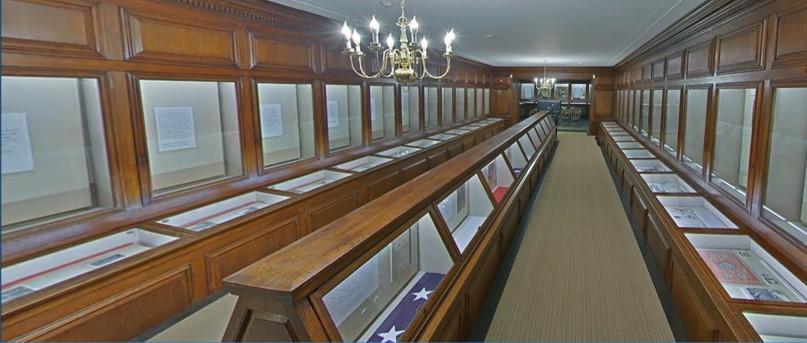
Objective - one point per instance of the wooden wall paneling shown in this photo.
(320, 216)
(696, 319)
(74, 28)
(283, 51)
(742, 50)
(659, 247)
(438, 157)
(790, 28)
(382, 185)
(700, 61)
(414, 170)
(658, 69)
(454, 329)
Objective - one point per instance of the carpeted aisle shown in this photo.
(578, 274)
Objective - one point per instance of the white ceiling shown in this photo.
(525, 32)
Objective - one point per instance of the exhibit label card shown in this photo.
(16, 144)
(333, 113)
(271, 120)
(175, 128)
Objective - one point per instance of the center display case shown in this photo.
(465, 210)
(378, 300)
(666, 183)
(309, 182)
(220, 212)
(650, 166)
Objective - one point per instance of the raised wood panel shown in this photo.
(699, 60)
(455, 149)
(334, 60)
(269, 51)
(791, 38)
(328, 212)
(674, 66)
(658, 70)
(414, 170)
(162, 40)
(152, 303)
(251, 248)
(639, 209)
(478, 291)
(692, 313)
(453, 329)
(741, 50)
(437, 158)
(659, 247)
(70, 29)
(383, 185)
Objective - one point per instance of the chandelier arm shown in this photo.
(448, 68)
(361, 71)
(389, 56)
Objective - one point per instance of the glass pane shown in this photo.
(695, 126)
(498, 177)
(344, 116)
(379, 300)
(645, 115)
(656, 115)
(470, 103)
(487, 101)
(637, 97)
(527, 91)
(191, 132)
(410, 109)
(786, 190)
(479, 103)
(579, 92)
(206, 217)
(460, 104)
(735, 113)
(465, 210)
(382, 111)
(287, 122)
(448, 106)
(562, 91)
(431, 107)
(54, 161)
(671, 120)
(516, 158)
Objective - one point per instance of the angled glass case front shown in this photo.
(536, 141)
(309, 182)
(777, 327)
(363, 163)
(516, 158)
(379, 300)
(286, 117)
(465, 210)
(526, 144)
(343, 109)
(666, 183)
(695, 212)
(206, 217)
(30, 276)
(498, 177)
(650, 166)
(746, 270)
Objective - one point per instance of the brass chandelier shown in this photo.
(406, 63)
(545, 83)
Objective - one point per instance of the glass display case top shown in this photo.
(746, 270)
(465, 210)
(363, 163)
(638, 153)
(379, 300)
(650, 166)
(443, 137)
(695, 212)
(33, 275)
(399, 151)
(666, 183)
(309, 182)
(626, 138)
(458, 132)
(778, 328)
(498, 177)
(206, 217)
(629, 145)
(470, 127)
(423, 143)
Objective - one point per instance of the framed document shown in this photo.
(17, 156)
(175, 128)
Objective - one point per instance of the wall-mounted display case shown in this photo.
(50, 174)
(430, 107)
(487, 101)
(309, 182)
(410, 109)
(695, 127)
(206, 217)
(363, 163)
(464, 211)
(398, 152)
(671, 115)
(382, 111)
(423, 143)
(666, 183)
(638, 153)
(459, 93)
(470, 103)
(286, 118)
(38, 273)
(448, 106)
(378, 300)
(695, 212)
(343, 111)
(192, 132)
(778, 328)
(650, 166)
(498, 177)
(732, 146)
(746, 270)
(655, 116)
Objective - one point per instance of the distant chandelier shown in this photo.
(544, 82)
(406, 64)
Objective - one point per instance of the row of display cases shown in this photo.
(758, 287)
(378, 296)
(33, 275)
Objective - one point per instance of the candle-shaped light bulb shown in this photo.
(390, 41)
(374, 25)
(535, 80)
(346, 31)
(449, 39)
(356, 37)
(424, 44)
(413, 26)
